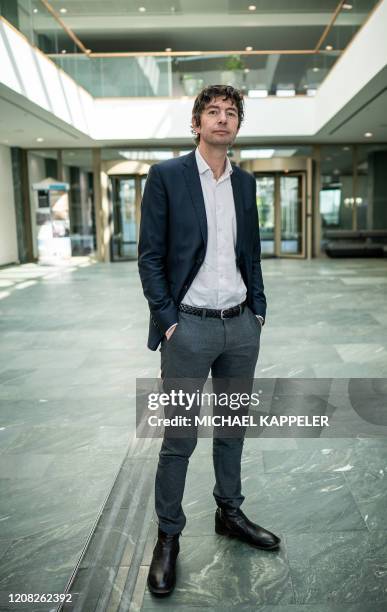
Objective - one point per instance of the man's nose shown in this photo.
(222, 117)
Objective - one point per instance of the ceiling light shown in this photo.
(257, 93)
(368, 134)
(252, 7)
(346, 148)
(285, 93)
(63, 51)
(168, 49)
(329, 47)
(316, 69)
(63, 10)
(347, 6)
(142, 9)
(284, 152)
(257, 153)
(248, 48)
(246, 70)
(40, 139)
(35, 10)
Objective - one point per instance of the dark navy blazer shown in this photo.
(173, 239)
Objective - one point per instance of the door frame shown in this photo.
(137, 201)
(283, 166)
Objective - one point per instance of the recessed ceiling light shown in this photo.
(39, 139)
(329, 47)
(63, 51)
(168, 49)
(142, 9)
(252, 7)
(315, 69)
(368, 134)
(249, 48)
(63, 10)
(347, 6)
(35, 10)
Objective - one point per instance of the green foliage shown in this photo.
(234, 62)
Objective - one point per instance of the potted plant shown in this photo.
(233, 73)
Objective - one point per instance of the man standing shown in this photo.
(199, 263)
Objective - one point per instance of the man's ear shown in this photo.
(194, 124)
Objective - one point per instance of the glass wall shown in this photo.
(62, 179)
(337, 188)
(78, 173)
(353, 196)
(42, 167)
(371, 187)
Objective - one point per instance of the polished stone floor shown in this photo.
(76, 506)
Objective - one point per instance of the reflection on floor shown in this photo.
(72, 346)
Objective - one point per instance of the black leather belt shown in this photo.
(225, 313)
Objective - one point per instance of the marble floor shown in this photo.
(76, 505)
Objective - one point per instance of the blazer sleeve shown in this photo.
(152, 251)
(257, 293)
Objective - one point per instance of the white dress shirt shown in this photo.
(218, 283)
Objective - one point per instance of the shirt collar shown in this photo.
(204, 167)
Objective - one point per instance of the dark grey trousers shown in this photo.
(227, 348)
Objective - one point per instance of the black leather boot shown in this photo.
(234, 523)
(162, 571)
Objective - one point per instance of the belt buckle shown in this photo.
(221, 313)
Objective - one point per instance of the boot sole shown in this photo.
(220, 530)
(160, 592)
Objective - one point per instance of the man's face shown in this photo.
(218, 122)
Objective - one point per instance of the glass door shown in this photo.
(124, 198)
(265, 204)
(292, 214)
(281, 209)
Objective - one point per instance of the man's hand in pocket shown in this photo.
(170, 331)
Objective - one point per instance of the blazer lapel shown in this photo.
(192, 178)
(238, 201)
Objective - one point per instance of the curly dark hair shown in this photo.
(209, 93)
